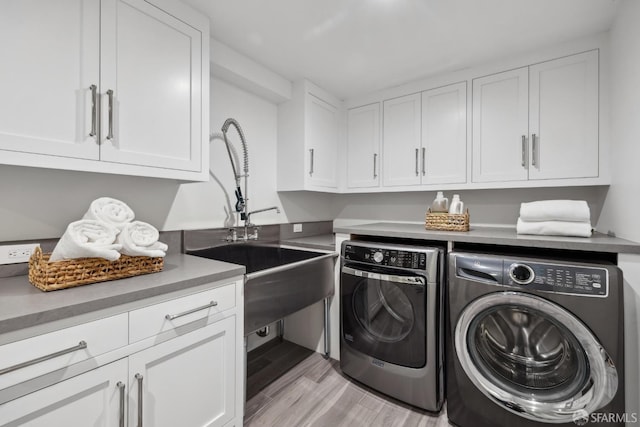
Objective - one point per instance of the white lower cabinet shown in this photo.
(91, 399)
(186, 381)
(189, 373)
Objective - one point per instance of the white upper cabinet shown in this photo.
(308, 138)
(363, 146)
(116, 86)
(425, 137)
(151, 81)
(563, 124)
(401, 147)
(322, 134)
(50, 61)
(444, 135)
(500, 126)
(537, 122)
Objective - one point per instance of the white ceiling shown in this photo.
(352, 47)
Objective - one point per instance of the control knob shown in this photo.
(522, 274)
(378, 257)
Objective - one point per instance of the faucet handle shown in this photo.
(254, 235)
(232, 235)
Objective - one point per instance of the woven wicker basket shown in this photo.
(50, 276)
(447, 222)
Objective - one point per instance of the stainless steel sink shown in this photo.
(279, 280)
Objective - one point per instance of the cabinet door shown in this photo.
(151, 61)
(363, 145)
(500, 126)
(89, 399)
(188, 381)
(50, 60)
(322, 142)
(401, 141)
(444, 135)
(564, 118)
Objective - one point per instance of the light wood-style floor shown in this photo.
(315, 393)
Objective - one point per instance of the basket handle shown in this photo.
(36, 256)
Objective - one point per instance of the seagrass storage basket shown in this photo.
(51, 276)
(447, 222)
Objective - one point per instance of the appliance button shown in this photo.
(522, 274)
(378, 257)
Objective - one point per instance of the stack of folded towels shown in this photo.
(106, 231)
(555, 218)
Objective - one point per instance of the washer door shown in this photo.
(383, 315)
(533, 358)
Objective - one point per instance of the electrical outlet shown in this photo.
(14, 254)
(297, 228)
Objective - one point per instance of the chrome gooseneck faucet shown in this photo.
(241, 200)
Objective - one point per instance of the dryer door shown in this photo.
(534, 358)
(383, 315)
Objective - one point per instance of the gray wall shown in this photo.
(494, 207)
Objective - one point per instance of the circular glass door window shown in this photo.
(533, 357)
(383, 310)
(527, 353)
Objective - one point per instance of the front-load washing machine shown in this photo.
(534, 342)
(391, 320)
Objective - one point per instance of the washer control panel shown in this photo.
(386, 257)
(569, 279)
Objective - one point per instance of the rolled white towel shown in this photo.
(141, 239)
(554, 228)
(111, 211)
(556, 210)
(87, 238)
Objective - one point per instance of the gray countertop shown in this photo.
(495, 236)
(325, 242)
(22, 305)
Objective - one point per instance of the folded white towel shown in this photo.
(87, 239)
(111, 211)
(556, 210)
(141, 239)
(554, 228)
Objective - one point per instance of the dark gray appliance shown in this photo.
(533, 342)
(391, 320)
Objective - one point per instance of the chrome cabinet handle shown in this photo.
(524, 151)
(94, 110)
(193, 310)
(424, 155)
(110, 127)
(121, 387)
(311, 165)
(81, 345)
(375, 165)
(534, 150)
(139, 377)
(417, 171)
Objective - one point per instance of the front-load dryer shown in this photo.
(391, 320)
(533, 342)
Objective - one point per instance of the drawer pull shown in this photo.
(139, 377)
(121, 386)
(81, 345)
(193, 310)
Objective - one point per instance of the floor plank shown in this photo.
(315, 393)
(266, 365)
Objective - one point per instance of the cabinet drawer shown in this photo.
(42, 354)
(166, 316)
